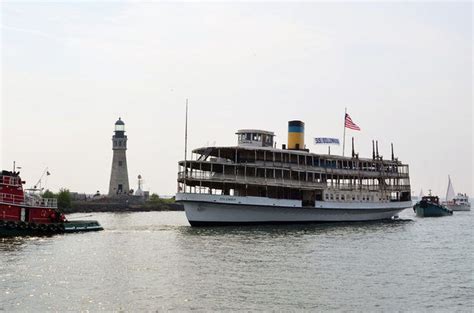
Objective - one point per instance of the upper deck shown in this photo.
(8, 178)
(256, 167)
(11, 193)
(298, 160)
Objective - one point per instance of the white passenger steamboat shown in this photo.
(254, 182)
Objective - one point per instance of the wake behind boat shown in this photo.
(254, 182)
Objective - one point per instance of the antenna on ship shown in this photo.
(373, 150)
(353, 152)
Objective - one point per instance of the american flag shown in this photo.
(350, 124)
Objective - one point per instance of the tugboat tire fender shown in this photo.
(52, 227)
(43, 227)
(61, 227)
(33, 226)
(22, 225)
(11, 225)
(2, 223)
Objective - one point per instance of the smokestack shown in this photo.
(393, 156)
(296, 135)
(377, 148)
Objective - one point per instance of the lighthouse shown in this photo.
(119, 176)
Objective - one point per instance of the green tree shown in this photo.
(49, 194)
(64, 198)
(154, 198)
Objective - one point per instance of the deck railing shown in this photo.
(49, 203)
(248, 179)
(10, 180)
(369, 173)
(226, 178)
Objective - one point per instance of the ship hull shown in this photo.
(210, 210)
(431, 210)
(460, 207)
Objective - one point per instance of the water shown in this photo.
(156, 262)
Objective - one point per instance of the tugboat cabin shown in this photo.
(430, 199)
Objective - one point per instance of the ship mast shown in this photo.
(186, 146)
(344, 139)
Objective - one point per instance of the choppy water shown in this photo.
(156, 262)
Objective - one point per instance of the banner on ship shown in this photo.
(326, 141)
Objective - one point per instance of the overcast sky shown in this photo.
(69, 70)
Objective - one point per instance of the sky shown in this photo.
(69, 69)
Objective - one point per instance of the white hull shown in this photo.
(204, 209)
(459, 207)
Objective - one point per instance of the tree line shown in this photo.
(63, 197)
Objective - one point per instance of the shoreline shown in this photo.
(118, 205)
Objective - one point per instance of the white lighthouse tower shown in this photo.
(119, 176)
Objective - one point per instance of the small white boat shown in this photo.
(459, 202)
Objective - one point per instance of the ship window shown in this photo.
(337, 197)
(120, 143)
(332, 197)
(353, 198)
(327, 197)
(342, 197)
(248, 136)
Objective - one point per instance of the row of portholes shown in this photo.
(338, 197)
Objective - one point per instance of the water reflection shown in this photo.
(156, 261)
(298, 229)
(11, 244)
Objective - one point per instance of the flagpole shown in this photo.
(344, 140)
(186, 147)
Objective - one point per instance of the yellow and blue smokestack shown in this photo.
(295, 135)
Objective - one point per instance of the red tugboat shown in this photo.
(24, 214)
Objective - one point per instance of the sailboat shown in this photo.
(459, 202)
